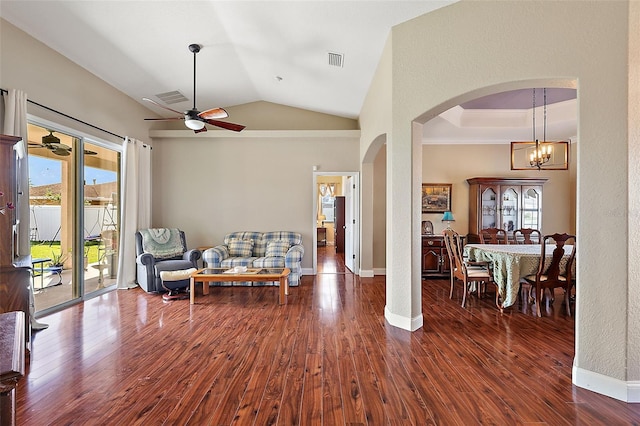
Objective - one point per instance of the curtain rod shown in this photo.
(67, 116)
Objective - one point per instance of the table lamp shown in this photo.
(448, 217)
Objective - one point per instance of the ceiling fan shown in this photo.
(52, 143)
(194, 119)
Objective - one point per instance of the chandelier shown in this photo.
(543, 150)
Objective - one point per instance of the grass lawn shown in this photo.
(46, 249)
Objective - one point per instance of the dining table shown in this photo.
(513, 262)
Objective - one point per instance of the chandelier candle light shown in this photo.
(542, 152)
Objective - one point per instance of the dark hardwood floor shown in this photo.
(326, 358)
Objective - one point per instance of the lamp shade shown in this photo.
(448, 217)
(193, 124)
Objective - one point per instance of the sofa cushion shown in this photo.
(269, 262)
(240, 248)
(277, 248)
(237, 261)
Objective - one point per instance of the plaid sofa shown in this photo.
(278, 249)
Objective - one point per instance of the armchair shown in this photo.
(171, 254)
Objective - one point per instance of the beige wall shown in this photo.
(210, 185)
(456, 163)
(379, 212)
(263, 115)
(470, 49)
(54, 81)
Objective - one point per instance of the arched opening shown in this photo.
(480, 146)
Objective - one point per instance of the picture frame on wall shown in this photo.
(436, 197)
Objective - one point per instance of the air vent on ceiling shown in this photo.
(173, 97)
(336, 59)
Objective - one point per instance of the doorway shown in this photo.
(327, 187)
(74, 194)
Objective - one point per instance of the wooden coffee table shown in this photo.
(207, 275)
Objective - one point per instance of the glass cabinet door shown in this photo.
(489, 208)
(532, 208)
(509, 209)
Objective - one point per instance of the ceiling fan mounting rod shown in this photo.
(195, 48)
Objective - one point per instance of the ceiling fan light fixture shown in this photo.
(193, 124)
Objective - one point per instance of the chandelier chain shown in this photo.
(544, 123)
(534, 115)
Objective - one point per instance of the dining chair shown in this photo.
(469, 273)
(527, 236)
(493, 236)
(553, 274)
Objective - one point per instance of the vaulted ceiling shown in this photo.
(316, 55)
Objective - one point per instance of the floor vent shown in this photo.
(173, 97)
(336, 59)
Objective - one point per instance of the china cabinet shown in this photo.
(15, 272)
(506, 203)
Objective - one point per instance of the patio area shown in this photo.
(51, 288)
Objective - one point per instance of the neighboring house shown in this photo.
(215, 183)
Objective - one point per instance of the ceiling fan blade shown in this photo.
(88, 152)
(213, 113)
(164, 119)
(61, 151)
(226, 125)
(35, 145)
(161, 106)
(56, 146)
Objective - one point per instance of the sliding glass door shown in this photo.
(101, 210)
(74, 203)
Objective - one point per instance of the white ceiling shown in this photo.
(274, 51)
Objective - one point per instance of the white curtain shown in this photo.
(136, 207)
(15, 124)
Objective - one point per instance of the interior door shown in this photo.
(339, 218)
(349, 224)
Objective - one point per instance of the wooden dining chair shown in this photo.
(467, 272)
(553, 274)
(527, 236)
(493, 236)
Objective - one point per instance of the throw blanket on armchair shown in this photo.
(162, 243)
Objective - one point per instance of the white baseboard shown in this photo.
(605, 385)
(410, 324)
(366, 273)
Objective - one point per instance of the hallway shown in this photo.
(330, 262)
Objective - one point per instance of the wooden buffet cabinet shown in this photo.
(15, 272)
(435, 259)
(507, 203)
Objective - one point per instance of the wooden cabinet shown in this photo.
(435, 260)
(504, 203)
(15, 273)
(322, 236)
